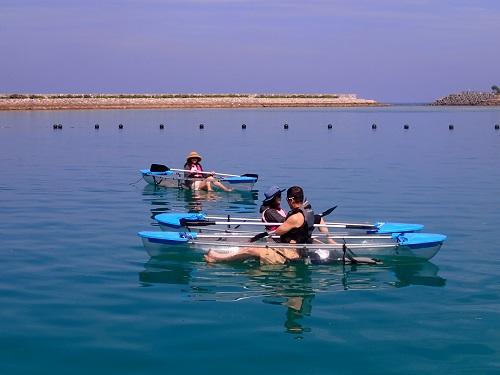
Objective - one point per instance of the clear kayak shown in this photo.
(176, 179)
(422, 246)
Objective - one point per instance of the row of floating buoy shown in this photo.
(285, 126)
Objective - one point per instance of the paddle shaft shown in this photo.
(203, 172)
(224, 235)
(196, 223)
(228, 217)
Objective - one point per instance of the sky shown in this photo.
(405, 51)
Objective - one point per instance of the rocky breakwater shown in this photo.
(126, 101)
(470, 98)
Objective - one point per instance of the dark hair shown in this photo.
(273, 203)
(296, 193)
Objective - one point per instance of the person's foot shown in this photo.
(209, 258)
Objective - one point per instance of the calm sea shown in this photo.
(79, 295)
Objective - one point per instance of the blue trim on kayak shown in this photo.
(239, 180)
(168, 238)
(147, 172)
(387, 228)
(173, 219)
(424, 245)
(419, 240)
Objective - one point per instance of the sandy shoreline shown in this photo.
(194, 101)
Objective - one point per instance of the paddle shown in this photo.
(245, 219)
(328, 212)
(229, 236)
(204, 223)
(164, 168)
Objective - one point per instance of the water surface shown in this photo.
(79, 293)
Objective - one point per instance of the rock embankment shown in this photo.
(90, 101)
(469, 98)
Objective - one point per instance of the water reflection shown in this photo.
(293, 287)
(184, 200)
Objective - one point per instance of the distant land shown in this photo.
(472, 98)
(154, 101)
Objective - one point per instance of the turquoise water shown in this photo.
(80, 295)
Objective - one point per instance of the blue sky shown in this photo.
(387, 50)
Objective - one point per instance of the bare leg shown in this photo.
(217, 183)
(208, 184)
(244, 253)
(221, 186)
(202, 185)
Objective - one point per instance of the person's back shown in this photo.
(303, 233)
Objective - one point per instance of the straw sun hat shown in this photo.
(193, 154)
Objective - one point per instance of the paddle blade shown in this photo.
(329, 211)
(259, 236)
(158, 168)
(195, 223)
(360, 226)
(253, 175)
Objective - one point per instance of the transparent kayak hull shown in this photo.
(402, 246)
(172, 179)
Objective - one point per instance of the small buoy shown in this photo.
(120, 126)
(374, 126)
(243, 126)
(202, 126)
(451, 127)
(54, 126)
(59, 126)
(161, 126)
(497, 126)
(285, 126)
(330, 126)
(96, 126)
(406, 126)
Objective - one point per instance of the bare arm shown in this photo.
(294, 221)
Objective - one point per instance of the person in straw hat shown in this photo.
(196, 179)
